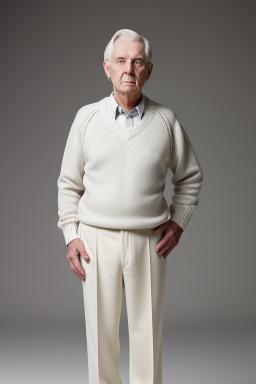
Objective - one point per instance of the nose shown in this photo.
(129, 67)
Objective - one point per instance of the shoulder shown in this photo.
(164, 113)
(86, 111)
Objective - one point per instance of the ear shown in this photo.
(106, 68)
(150, 68)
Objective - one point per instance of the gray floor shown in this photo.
(54, 354)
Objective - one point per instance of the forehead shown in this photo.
(127, 48)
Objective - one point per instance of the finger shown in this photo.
(168, 251)
(82, 277)
(166, 248)
(81, 274)
(78, 267)
(167, 240)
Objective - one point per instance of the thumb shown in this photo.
(157, 229)
(84, 253)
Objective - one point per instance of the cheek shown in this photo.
(119, 74)
(142, 77)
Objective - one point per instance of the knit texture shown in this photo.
(114, 177)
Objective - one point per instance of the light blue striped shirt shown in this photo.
(122, 117)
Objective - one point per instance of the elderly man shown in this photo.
(114, 215)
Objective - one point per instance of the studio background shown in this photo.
(204, 70)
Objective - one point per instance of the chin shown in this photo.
(131, 88)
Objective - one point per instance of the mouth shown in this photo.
(129, 82)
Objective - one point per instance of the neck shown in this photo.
(127, 101)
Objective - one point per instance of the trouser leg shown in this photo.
(144, 283)
(102, 292)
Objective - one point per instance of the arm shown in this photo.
(187, 175)
(187, 180)
(70, 182)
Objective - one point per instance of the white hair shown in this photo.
(128, 34)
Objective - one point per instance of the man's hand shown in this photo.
(172, 233)
(75, 249)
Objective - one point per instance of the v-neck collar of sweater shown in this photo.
(149, 112)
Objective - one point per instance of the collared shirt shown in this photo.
(122, 117)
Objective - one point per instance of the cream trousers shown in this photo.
(123, 260)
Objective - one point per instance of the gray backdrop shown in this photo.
(204, 69)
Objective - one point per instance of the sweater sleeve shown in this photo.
(187, 175)
(70, 182)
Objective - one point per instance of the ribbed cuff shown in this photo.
(70, 232)
(181, 214)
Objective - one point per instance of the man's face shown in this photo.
(127, 68)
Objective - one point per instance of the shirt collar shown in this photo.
(115, 107)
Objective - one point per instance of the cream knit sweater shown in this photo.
(114, 177)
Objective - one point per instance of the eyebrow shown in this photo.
(136, 58)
